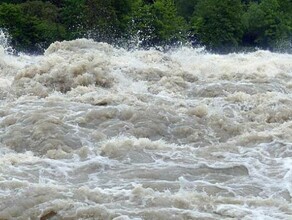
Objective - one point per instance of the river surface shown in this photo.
(89, 131)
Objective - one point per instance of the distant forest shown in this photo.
(220, 25)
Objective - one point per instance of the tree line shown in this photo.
(223, 25)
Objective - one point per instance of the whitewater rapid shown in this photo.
(90, 131)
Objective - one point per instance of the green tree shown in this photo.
(185, 8)
(73, 17)
(218, 24)
(13, 1)
(101, 20)
(160, 24)
(148, 1)
(267, 24)
(170, 26)
(124, 10)
(41, 10)
(32, 25)
(12, 20)
(58, 3)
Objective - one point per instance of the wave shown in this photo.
(91, 131)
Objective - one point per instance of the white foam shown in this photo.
(89, 131)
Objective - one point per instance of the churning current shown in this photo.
(89, 131)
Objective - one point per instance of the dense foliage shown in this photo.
(219, 25)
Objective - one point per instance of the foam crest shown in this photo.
(63, 70)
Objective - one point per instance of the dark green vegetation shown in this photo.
(223, 25)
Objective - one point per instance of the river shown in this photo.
(90, 131)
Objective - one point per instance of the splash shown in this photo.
(90, 131)
(5, 46)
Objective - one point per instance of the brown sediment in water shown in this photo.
(89, 131)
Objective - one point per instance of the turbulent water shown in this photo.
(89, 131)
